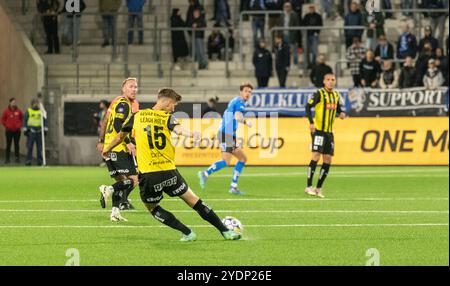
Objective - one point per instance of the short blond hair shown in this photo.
(127, 80)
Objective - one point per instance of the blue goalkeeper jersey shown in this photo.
(229, 123)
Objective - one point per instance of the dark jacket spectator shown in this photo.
(193, 5)
(375, 27)
(210, 111)
(262, 61)
(428, 39)
(384, 49)
(408, 74)
(319, 71)
(48, 10)
(179, 44)
(282, 60)
(355, 53)
(216, 44)
(312, 19)
(353, 18)
(422, 62)
(294, 21)
(369, 70)
(407, 43)
(135, 6)
(199, 23)
(442, 64)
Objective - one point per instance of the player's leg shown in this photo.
(323, 174)
(125, 203)
(311, 170)
(328, 153)
(151, 187)
(116, 192)
(242, 159)
(208, 214)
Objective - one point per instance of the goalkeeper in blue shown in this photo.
(233, 115)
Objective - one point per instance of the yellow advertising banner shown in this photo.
(358, 141)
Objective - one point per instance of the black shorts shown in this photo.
(121, 163)
(323, 142)
(152, 185)
(227, 142)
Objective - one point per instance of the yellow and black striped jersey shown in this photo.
(119, 112)
(326, 105)
(151, 130)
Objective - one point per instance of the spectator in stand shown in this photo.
(221, 12)
(319, 71)
(179, 44)
(72, 24)
(258, 20)
(100, 115)
(109, 9)
(384, 49)
(442, 64)
(135, 16)
(274, 5)
(297, 6)
(353, 18)
(200, 55)
(262, 61)
(312, 19)
(433, 78)
(194, 4)
(389, 77)
(244, 5)
(327, 6)
(408, 74)
(216, 44)
(422, 62)
(210, 111)
(48, 11)
(407, 43)
(355, 53)
(12, 119)
(375, 28)
(428, 39)
(282, 59)
(405, 5)
(437, 19)
(370, 70)
(386, 5)
(289, 19)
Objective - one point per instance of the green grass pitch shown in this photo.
(402, 212)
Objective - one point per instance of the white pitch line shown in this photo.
(246, 211)
(243, 200)
(246, 226)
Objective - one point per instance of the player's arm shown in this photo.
(340, 111)
(311, 103)
(123, 133)
(101, 135)
(176, 128)
(239, 116)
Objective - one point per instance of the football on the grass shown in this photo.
(233, 224)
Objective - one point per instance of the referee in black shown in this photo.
(326, 103)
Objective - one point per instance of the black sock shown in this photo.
(323, 174)
(209, 215)
(120, 190)
(127, 193)
(170, 220)
(311, 170)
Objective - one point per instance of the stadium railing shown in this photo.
(339, 63)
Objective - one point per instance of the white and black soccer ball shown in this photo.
(233, 224)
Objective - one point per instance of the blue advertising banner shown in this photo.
(287, 102)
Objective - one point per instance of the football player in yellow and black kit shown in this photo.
(158, 174)
(120, 162)
(326, 103)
